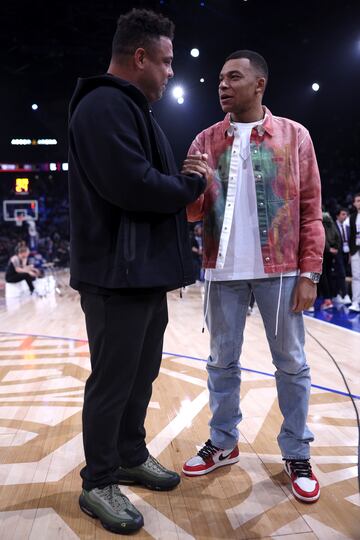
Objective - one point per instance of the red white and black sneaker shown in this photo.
(305, 485)
(210, 457)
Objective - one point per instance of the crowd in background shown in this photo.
(340, 279)
(48, 236)
(51, 243)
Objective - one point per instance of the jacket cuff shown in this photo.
(311, 265)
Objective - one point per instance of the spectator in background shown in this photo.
(33, 236)
(18, 268)
(332, 247)
(342, 259)
(353, 224)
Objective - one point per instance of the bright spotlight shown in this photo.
(195, 52)
(180, 100)
(34, 107)
(178, 92)
(202, 80)
(315, 87)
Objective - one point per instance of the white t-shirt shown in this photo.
(243, 258)
(357, 226)
(343, 230)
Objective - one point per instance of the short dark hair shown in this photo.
(255, 58)
(341, 210)
(356, 195)
(140, 28)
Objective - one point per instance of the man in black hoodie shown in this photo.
(129, 246)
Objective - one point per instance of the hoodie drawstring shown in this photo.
(206, 306)
(278, 306)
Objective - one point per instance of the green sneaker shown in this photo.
(113, 508)
(150, 474)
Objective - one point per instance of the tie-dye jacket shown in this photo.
(288, 193)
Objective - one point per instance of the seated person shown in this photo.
(18, 269)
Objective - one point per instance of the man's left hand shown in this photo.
(304, 294)
(197, 164)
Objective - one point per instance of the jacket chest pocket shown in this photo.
(273, 169)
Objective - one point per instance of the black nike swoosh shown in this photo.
(221, 457)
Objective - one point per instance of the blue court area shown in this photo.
(339, 315)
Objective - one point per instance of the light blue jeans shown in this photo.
(226, 315)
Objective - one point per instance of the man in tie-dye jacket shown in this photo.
(263, 233)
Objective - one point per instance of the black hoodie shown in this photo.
(127, 199)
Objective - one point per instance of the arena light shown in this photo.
(178, 92)
(202, 80)
(34, 106)
(34, 142)
(180, 100)
(315, 86)
(195, 52)
(46, 141)
(8, 167)
(17, 142)
(29, 167)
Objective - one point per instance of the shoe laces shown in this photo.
(112, 495)
(153, 465)
(208, 450)
(301, 467)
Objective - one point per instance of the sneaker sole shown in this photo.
(305, 499)
(300, 497)
(127, 529)
(215, 466)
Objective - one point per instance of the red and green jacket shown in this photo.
(288, 193)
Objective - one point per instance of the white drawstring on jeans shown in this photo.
(206, 306)
(278, 307)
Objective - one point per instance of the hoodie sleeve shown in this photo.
(195, 210)
(106, 132)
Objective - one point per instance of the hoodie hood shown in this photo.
(86, 85)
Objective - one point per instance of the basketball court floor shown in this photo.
(44, 363)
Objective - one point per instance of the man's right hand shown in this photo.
(197, 164)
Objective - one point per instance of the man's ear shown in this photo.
(139, 57)
(260, 86)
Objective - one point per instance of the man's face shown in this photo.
(357, 203)
(342, 215)
(157, 69)
(238, 86)
(23, 255)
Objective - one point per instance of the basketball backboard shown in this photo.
(16, 210)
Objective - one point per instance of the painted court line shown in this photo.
(326, 389)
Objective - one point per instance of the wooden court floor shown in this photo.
(44, 363)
